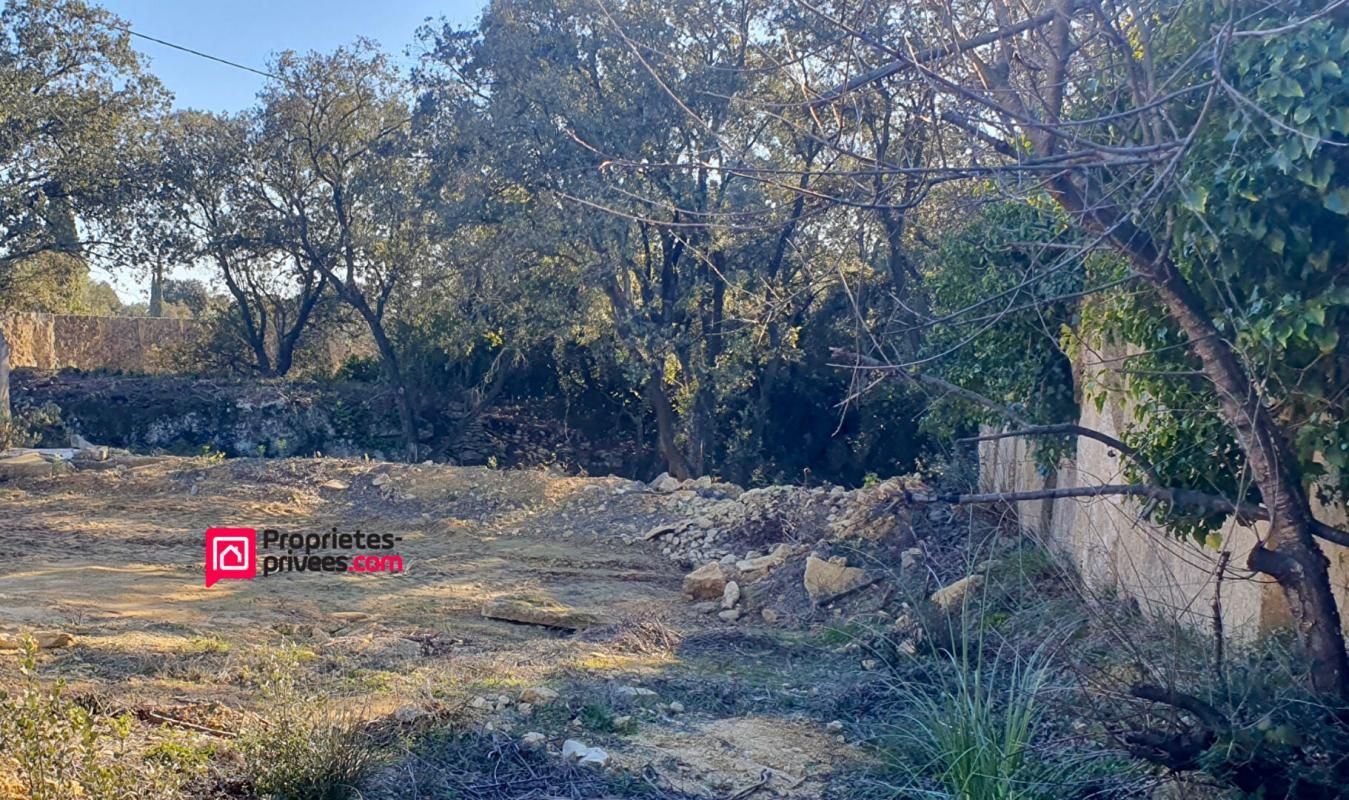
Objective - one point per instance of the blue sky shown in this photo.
(250, 31)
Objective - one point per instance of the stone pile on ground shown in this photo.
(734, 539)
(722, 517)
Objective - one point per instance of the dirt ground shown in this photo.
(115, 556)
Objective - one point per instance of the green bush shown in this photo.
(309, 749)
(57, 749)
(975, 729)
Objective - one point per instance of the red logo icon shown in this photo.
(231, 554)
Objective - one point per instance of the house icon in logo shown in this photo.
(231, 553)
(232, 556)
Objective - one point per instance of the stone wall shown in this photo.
(1116, 551)
(124, 344)
(142, 345)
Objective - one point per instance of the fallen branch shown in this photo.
(1189, 498)
(1185, 498)
(164, 719)
(1073, 429)
(836, 596)
(1211, 717)
(764, 777)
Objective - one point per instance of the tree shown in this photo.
(573, 106)
(1169, 135)
(216, 190)
(340, 179)
(188, 293)
(75, 98)
(1172, 137)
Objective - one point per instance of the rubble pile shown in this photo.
(732, 540)
(722, 520)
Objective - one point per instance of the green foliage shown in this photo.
(1011, 265)
(1260, 233)
(59, 749)
(310, 749)
(34, 426)
(974, 730)
(75, 99)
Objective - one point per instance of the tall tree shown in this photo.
(341, 181)
(575, 100)
(1203, 143)
(215, 188)
(75, 99)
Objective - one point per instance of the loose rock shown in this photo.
(827, 578)
(949, 597)
(535, 611)
(708, 582)
(757, 567)
(538, 696)
(533, 741)
(731, 596)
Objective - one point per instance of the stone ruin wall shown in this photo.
(123, 344)
(1115, 551)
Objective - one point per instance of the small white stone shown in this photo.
(731, 596)
(573, 750)
(594, 758)
(533, 740)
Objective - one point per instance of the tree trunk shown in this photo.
(675, 463)
(254, 330)
(288, 340)
(4, 380)
(1289, 553)
(157, 290)
(393, 373)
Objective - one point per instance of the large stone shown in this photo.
(755, 568)
(537, 611)
(538, 695)
(579, 753)
(953, 595)
(707, 582)
(827, 578)
(31, 465)
(572, 750)
(664, 483)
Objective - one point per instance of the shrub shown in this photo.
(310, 749)
(975, 729)
(57, 749)
(31, 426)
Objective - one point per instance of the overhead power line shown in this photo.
(191, 51)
